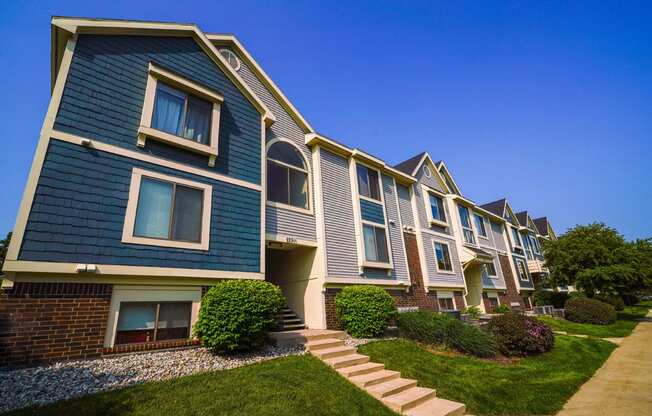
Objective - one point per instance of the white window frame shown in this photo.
(521, 261)
(484, 223)
(231, 54)
(131, 293)
(515, 244)
(450, 255)
(377, 264)
(426, 192)
(444, 294)
(128, 236)
(308, 210)
(463, 228)
(380, 184)
(146, 131)
(494, 276)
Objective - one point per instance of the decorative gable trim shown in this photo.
(442, 166)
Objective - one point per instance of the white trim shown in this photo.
(128, 236)
(445, 294)
(231, 54)
(425, 195)
(450, 258)
(287, 239)
(120, 151)
(363, 281)
(307, 170)
(400, 228)
(21, 266)
(425, 273)
(524, 263)
(150, 294)
(263, 195)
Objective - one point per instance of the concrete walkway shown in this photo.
(623, 385)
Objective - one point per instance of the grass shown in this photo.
(627, 321)
(296, 385)
(531, 386)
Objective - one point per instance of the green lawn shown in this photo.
(624, 326)
(297, 385)
(531, 386)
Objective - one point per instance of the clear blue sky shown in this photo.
(548, 104)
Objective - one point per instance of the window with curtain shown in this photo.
(437, 208)
(375, 244)
(443, 255)
(465, 219)
(152, 321)
(368, 184)
(287, 176)
(479, 225)
(169, 211)
(489, 270)
(182, 114)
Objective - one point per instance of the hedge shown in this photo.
(364, 311)
(590, 311)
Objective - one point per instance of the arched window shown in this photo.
(287, 175)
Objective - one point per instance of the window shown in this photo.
(181, 113)
(167, 211)
(535, 244)
(437, 208)
(231, 58)
(520, 268)
(445, 301)
(515, 237)
(375, 244)
(469, 237)
(443, 256)
(528, 247)
(287, 175)
(479, 225)
(489, 269)
(493, 300)
(150, 321)
(368, 182)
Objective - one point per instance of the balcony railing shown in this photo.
(537, 266)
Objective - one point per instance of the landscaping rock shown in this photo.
(60, 381)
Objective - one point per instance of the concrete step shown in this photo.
(321, 344)
(292, 327)
(409, 398)
(391, 387)
(356, 370)
(437, 407)
(377, 377)
(317, 335)
(347, 360)
(287, 321)
(333, 352)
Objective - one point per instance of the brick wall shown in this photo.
(46, 322)
(416, 295)
(511, 294)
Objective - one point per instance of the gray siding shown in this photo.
(423, 217)
(489, 241)
(394, 232)
(431, 181)
(497, 282)
(405, 206)
(441, 279)
(497, 234)
(294, 224)
(339, 225)
(301, 225)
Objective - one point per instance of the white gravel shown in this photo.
(356, 342)
(60, 381)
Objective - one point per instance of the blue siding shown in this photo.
(79, 209)
(371, 212)
(105, 89)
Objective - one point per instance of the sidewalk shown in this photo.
(623, 385)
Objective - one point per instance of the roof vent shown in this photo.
(231, 58)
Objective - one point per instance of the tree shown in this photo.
(4, 246)
(596, 258)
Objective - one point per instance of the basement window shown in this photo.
(140, 322)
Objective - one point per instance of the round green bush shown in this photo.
(364, 311)
(613, 300)
(501, 309)
(236, 315)
(473, 312)
(521, 335)
(590, 311)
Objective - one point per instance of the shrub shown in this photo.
(502, 309)
(630, 299)
(364, 310)
(237, 314)
(547, 297)
(590, 311)
(472, 311)
(438, 328)
(613, 300)
(521, 335)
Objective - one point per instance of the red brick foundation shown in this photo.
(416, 295)
(46, 322)
(511, 294)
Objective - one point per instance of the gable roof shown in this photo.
(66, 27)
(542, 225)
(445, 173)
(410, 166)
(496, 207)
(522, 217)
(232, 40)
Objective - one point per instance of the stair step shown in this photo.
(356, 370)
(409, 398)
(325, 335)
(321, 344)
(293, 326)
(438, 407)
(391, 387)
(376, 377)
(334, 352)
(347, 360)
(290, 320)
